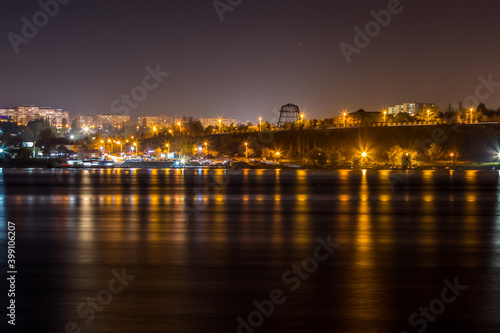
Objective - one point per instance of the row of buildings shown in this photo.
(118, 121)
(26, 113)
(61, 119)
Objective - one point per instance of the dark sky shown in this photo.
(264, 54)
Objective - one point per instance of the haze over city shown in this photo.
(263, 54)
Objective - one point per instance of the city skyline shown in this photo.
(227, 65)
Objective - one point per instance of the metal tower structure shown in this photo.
(289, 114)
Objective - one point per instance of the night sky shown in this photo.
(265, 53)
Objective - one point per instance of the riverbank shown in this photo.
(56, 163)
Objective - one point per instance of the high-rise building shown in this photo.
(205, 122)
(26, 113)
(115, 120)
(410, 108)
(155, 121)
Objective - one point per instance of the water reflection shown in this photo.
(245, 231)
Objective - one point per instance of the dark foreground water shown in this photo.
(191, 250)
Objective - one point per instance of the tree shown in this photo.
(75, 126)
(394, 154)
(404, 117)
(335, 157)
(317, 156)
(433, 151)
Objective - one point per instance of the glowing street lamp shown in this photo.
(345, 114)
(364, 155)
(206, 149)
(220, 123)
(180, 126)
(385, 115)
(428, 116)
(260, 124)
(168, 147)
(246, 150)
(119, 143)
(471, 110)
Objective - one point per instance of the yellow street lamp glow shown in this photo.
(364, 154)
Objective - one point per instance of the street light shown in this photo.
(119, 143)
(385, 113)
(180, 126)
(428, 115)
(246, 150)
(260, 124)
(345, 114)
(220, 122)
(471, 110)
(168, 148)
(206, 149)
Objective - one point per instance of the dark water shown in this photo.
(203, 246)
